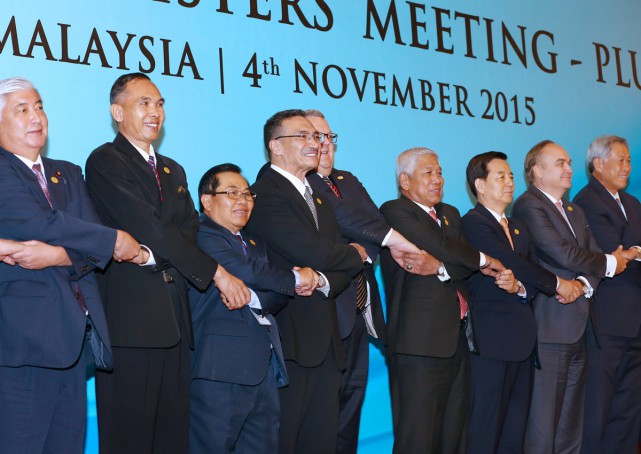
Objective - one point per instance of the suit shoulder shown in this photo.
(61, 164)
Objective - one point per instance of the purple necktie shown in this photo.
(152, 164)
(41, 180)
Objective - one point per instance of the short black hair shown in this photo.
(209, 181)
(119, 85)
(272, 126)
(477, 167)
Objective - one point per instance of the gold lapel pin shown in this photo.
(340, 177)
(570, 208)
(446, 221)
(54, 180)
(166, 169)
(320, 202)
(181, 189)
(516, 231)
(252, 242)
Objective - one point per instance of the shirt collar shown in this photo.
(29, 163)
(299, 185)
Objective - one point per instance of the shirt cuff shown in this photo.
(254, 302)
(386, 239)
(324, 289)
(151, 260)
(611, 266)
(482, 260)
(296, 278)
(588, 291)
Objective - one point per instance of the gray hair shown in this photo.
(601, 147)
(314, 113)
(406, 161)
(12, 85)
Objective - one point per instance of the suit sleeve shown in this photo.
(459, 258)
(483, 235)
(25, 218)
(560, 251)
(118, 196)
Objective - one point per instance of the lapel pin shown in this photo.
(54, 180)
(570, 208)
(166, 169)
(252, 242)
(340, 177)
(516, 231)
(58, 174)
(446, 221)
(181, 189)
(320, 202)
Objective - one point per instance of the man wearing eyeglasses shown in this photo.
(238, 364)
(358, 308)
(300, 229)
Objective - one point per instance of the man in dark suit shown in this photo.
(143, 405)
(301, 230)
(52, 325)
(565, 246)
(359, 307)
(238, 363)
(613, 393)
(429, 330)
(504, 323)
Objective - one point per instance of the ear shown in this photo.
(117, 112)
(537, 171)
(597, 163)
(479, 184)
(205, 200)
(404, 181)
(275, 147)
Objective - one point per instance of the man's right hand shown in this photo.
(127, 248)
(233, 291)
(568, 291)
(8, 247)
(422, 263)
(623, 257)
(308, 281)
(492, 267)
(361, 251)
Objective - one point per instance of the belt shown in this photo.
(464, 323)
(168, 278)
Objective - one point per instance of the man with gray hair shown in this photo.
(613, 394)
(564, 245)
(52, 325)
(429, 329)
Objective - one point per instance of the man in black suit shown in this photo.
(52, 323)
(238, 363)
(504, 323)
(359, 307)
(613, 393)
(429, 329)
(300, 230)
(564, 245)
(143, 405)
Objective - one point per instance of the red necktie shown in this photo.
(461, 299)
(152, 164)
(332, 186)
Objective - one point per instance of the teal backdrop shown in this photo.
(460, 77)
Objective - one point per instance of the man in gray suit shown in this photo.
(565, 246)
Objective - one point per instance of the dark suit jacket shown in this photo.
(565, 255)
(616, 307)
(504, 324)
(231, 346)
(423, 313)
(41, 323)
(354, 195)
(137, 300)
(282, 219)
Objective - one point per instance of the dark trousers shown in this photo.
(433, 402)
(43, 410)
(555, 424)
(143, 405)
(309, 407)
(499, 406)
(352, 392)
(233, 418)
(613, 396)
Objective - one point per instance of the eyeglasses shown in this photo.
(318, 136)
(236, 194)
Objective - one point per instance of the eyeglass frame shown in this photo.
(252, 195)
(318, 136)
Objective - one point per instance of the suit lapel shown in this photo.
(142, 167)
(607, 198)
(490, 217)
(551, 207)
(288, 189)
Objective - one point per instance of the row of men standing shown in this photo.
(143, 403)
